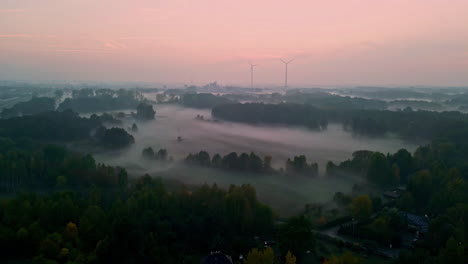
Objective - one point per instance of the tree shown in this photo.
(34, 106)
(346, 258)
(148, 153)
(162, 154)
(361, 207)
(203, 100)
(204, 158)
(267, 164)
(296, 236)
(255, 163)
(243, 161)
(342, 199)
(230, 161)
(256, 256)
(404, 161)
(71, 232)
(116, 137)
(452, 253)
(145, 111)
(216, 161)
(290, 258)
(380, 171)
(134, 128)
(421, 188)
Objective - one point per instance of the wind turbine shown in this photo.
(251, 73)
(286, 72)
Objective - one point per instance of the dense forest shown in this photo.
(203, 100)
(59, 205)
(408, 123)
(34, 106)
(98, 100)
(287, 114)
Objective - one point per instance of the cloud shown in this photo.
(151, 10)
(114, 45)
(11, 10)
(26, 36)
(153, 14)
(17, 36)
(79, 50)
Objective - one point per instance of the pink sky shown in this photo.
(335, 42)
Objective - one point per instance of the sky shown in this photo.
(333, 42)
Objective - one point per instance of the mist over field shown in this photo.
(234, 132)
(287, 195)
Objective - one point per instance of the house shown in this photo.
(217, 257)
(392, 194)
(419, 223)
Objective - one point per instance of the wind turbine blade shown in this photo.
(283, 61)
(291, 60)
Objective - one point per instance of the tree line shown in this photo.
(408, 124)
(244, 162)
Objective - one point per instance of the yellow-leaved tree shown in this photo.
(346, 258)
(290, 258)
(255, 256)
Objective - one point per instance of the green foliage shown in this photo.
(421, 188)
(51, 126)
(380, 171)
(148, 153)
(145, 111)
(359, 164)
(410, 124)
(203, 100)
(146, 224)
(289, 114)
(52, 166)
(299, 165)
(34, 106)
(89, 100)
(402, 158)
(115, 137)
(296, 236)
(232, 161)
(342, 199)
(453, 253)
(361, 207)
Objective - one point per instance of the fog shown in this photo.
(285, 194)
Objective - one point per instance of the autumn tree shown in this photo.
(255, 256)
(361, 207)
(290, 258)
(346, 258)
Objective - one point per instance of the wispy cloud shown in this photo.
(71, 50)
(26, 36)
(114, 45)
(153, 14)
(11, 10)
(151, 10)
(80, 50)
(16, 36)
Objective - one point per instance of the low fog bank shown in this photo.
(281, 143)
(287, 195)
(281, 192)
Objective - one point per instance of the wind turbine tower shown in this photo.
(251, 74)
(286, 72)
